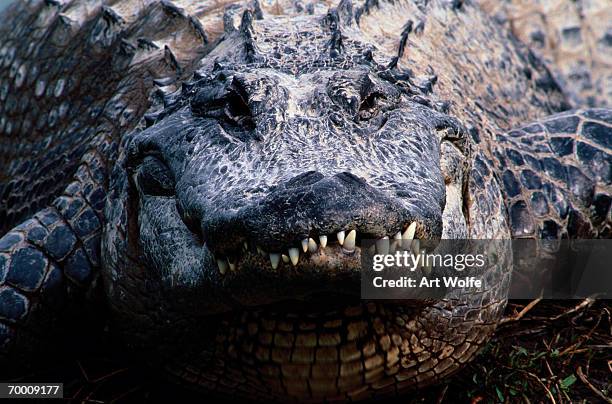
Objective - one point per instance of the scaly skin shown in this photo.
(574, 37)
(298, 123)
(559, 183)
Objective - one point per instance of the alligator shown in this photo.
(199, 176)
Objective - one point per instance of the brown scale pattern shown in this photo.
(363, 351)
(484, 75)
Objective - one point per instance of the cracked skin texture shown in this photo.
(575, 38)
(141, 142)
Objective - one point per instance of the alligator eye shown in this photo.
(228, 106)
(154, 178)
(369, 107)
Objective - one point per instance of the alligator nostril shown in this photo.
(305, 179)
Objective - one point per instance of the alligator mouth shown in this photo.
(319, 251)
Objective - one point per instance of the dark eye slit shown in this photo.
(370, 101)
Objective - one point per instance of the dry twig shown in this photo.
(520, 314)
(594, 389)
(442, 395)
(582, 305)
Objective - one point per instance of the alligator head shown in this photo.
(252, 189)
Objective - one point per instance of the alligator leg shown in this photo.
(49, 267)
(557, 176)
(74, 76)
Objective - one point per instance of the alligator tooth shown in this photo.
(245, 246)
(294, 255)
(285, 258)
(409, 233)
(222, 264)
(274, 260)
(305, 245)
(396, 244)
(261, 251)
(312, 245)
(382, 245)
(323, 241)
(232, 266)
(349, 241)
(340, 236)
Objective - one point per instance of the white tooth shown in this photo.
(285, 258)
(232, 266)
(245, 246)
(396, 244)
(312, 245)
(305, 245)
(261, 251)
(222, 264)
(340, 236)
(349, 241)
(409, 233)
(382, 245)
(294, 255)
(323, 241)
(274, 260)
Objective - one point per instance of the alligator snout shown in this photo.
(314, 220)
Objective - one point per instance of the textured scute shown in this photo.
(489, 79)
(565, 191)
(573, 37)
(365, 351)
(33, 257)
(27, 269)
